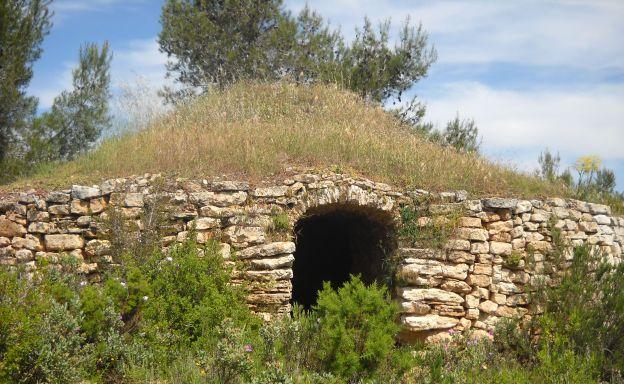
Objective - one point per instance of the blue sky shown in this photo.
(533, 74)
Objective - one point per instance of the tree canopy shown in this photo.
(23, 25)
(213, 43)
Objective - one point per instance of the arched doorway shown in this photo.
(337, 240)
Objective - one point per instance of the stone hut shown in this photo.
(294, 234)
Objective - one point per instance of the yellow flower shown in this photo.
(587, 163)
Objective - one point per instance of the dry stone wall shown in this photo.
(498, 247)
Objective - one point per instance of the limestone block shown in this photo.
(517, 299)
(455, 271)
(40, 227)
(531, 227)
(508, 288)
(30, 242)
(269, 275)
(219, 212)
(23, 255)
(10, 228)
(458, 245)
(59, 210)
(498, 298)
(472, 301)
(97, 205)
(83, 221)
(420, 253)
(204, 223)
(450, 310)
(267, 250)
(501, 237)
(482, 269)
(523, 206)
(534, 236)
(473, 206)
(84, 193)
(34, 215)
(605, 229)
(456, 286)
(472, 222)
(430, 294)
(504, 311)
(560, 213)
(223, 199)
(277, 191)
(540, 216)
(461, 257)
(479, 280)
(79, 207)
(498, 248)
(539, 246)
(588, 226)
(476, 234)
(500, 203)
(599, 209)
(229, 186)
(63, 242)
(477, 248)
(251, 220)
(425, 267)
(427, 322)
(602, 219)
(273, 262)
(58, 198)
(415, 308)
(499, 226)
(87, 268)
(488, 307)
(472, 314)
(517, 232)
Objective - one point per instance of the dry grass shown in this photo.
(254, 131)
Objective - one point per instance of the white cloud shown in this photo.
(576, 123)
(139, 58)
(576, 33)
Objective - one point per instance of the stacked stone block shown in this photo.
(480, 276)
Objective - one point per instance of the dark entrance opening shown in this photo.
(335, 241)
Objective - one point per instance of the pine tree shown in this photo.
(23, 25)
(77, 117)
(217, 42)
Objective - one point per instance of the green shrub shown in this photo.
(357, 326)
(40, 338)
(191, 295)
(584, 313)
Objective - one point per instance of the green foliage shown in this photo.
(216, 43)
(77, 117)
(235, 40)
(357, 324)
(55, 328)
(377, 71)
(592, 182)
(281, 222)
(420, 227)
(589, 325)
(176, 318)
(513, 261)
(463, 135)
(549, 165)
(190, 296)
(23, 25)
